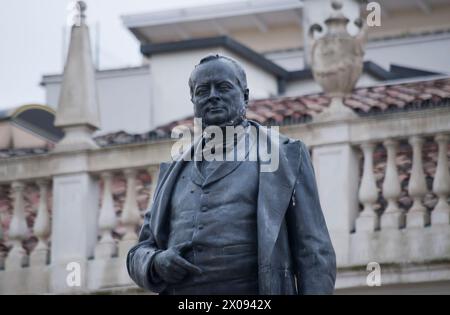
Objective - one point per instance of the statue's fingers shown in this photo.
(174, 278)
(178, 270)
(180, 261)
(176, 273)
(183, 247)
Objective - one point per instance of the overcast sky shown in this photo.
(31, 37)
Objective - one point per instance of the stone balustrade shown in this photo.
(409, 228)
(28, 267)
(361, 186)
(19, 256)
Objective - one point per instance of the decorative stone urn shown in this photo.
(337, 60)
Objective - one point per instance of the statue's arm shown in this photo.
(140, 257)
(313, 253)
(140, 260)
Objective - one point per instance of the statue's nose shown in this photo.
(213, 94)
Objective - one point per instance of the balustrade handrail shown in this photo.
(33, 167)
(375, 128)
(143, 154)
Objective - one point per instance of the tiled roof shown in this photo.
(364, 101)
(300, 109)
(22, 152)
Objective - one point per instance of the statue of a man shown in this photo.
(224, 226)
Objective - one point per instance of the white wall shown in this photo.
(123, 96)
(290, 60)
(430, 53)
(303, 87)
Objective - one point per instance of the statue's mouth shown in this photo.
(216, 109)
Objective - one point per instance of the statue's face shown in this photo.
(217, 97)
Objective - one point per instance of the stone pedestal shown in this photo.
(39, 257)
(74, 227)
(338, 194)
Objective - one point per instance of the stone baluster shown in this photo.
(130, 214)
(107, 221)
(40, 254)
(2, 255)
(154, 173)
(441, 184)
(417, 215)
(368, 219)
(392, 217)
(17, 229)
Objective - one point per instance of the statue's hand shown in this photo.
(171, 266)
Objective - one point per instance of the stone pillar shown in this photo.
(74, 229)
(339, 193)
(75, 191)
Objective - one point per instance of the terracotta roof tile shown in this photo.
(364, 101)
(300, 109)
(391, 101)
(438, 92)
(399, 95)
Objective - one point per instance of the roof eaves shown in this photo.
(224, 41)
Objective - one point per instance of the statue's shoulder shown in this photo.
(287, 140)
(297, 143)
(163, 168)
(283, 139)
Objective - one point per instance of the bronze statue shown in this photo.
(226, 226)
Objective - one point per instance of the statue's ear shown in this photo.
(246, 93)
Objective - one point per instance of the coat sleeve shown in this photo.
(311, 248)
(140, 257)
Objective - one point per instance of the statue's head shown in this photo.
(219, 92)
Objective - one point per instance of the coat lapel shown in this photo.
(224, 168)
(275, 192)
(160, 212)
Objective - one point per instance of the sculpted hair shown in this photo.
(240, 73)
